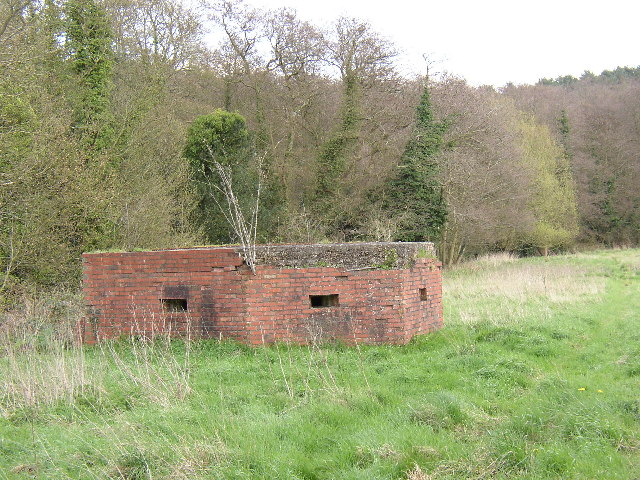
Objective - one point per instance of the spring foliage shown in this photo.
(553, 202)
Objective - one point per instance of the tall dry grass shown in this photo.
(43, 363)
(40, 360)
(498, 289)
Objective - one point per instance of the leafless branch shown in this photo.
(245, 229)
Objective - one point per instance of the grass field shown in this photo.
(535, 375)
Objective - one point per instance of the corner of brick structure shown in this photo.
(352, 292)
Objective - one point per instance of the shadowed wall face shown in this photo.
(210, 293)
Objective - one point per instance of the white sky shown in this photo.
(494, 41)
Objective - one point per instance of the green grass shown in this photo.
(536, 375)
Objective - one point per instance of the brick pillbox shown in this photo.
(353, 292)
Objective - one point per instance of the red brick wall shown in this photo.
(123, 293)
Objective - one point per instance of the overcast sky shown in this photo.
(494, 41)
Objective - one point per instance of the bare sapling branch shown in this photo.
(243, 226)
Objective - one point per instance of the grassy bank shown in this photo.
(536, 375)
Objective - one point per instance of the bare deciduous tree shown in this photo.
(484, 184)
(359, 52)
(157, 31)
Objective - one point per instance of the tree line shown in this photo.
(112, 111)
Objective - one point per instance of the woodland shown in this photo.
(117, 117)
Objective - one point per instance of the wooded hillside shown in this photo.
(99, 101)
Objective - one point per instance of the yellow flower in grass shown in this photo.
(582, 389)
(599, 391)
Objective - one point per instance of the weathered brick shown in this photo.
(123, 293)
